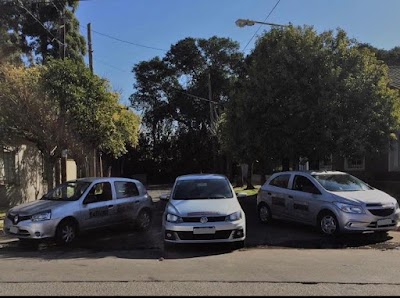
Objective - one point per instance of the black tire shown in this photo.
(328, 224)
(144, 220)
(66, 232)
(264, 213)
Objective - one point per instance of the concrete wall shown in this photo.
(72, 171)
(29, 184)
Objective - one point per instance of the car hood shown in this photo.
(365, 197)
(203, 207)
(36, 206)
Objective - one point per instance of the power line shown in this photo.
(128, 42)
(272, 10)
(110, 65)
(33, 16)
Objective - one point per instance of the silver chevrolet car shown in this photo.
(203, 208)
(81, 205)
(332, 201)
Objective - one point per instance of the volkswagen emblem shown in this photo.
(16, 219)
(203, 219)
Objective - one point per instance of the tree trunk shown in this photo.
(285, 164)
(249, 176)
(49, 171)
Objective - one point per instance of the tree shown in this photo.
(311, 95)
(35, 28)
(63, 106)
(170, 115)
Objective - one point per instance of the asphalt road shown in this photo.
(279, 259)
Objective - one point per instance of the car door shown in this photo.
(128, 200)
(277, 195)
(98, 207)
(303, 199)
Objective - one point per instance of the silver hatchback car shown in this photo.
(330, 200)
(203, 208)
(81, 205)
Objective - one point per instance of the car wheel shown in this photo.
(264, 214)
(328, 224)
(144, 220)
(66, 232)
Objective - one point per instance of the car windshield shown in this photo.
(69, 191)
(200, 189)
(341, 182)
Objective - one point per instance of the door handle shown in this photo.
(269, 193)
(290, 197)
(137, 202)
(110, 206)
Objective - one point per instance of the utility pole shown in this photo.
(90, 52)
(212, 122)
(89, 33)
(62, 55)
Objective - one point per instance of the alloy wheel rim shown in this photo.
(68, 234)
(328, 224)
(264, 214)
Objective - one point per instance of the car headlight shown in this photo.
(173, 218)
(349, 208)
(234, 216)
(41, 216)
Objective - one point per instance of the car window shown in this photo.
(304, 184)
(281, 181)
(126, 189)
(202, 189)
(68, 191)
(101, 192)
(341, 182)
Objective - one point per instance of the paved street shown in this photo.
(281, 259)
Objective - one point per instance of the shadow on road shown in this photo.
(124, 242)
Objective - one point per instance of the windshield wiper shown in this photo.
(217, 197)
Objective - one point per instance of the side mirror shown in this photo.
(241, 195)
(164, 197)
(91, 198)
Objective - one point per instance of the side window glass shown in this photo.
(281, 181)
(99, 192)
(126, 189)
(304, 184)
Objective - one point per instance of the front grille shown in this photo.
(20, 217)
(218, 235)
(373, 225)
(209, 219)
(382, 212)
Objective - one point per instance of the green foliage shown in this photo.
(176, 125)
(22, 20)
(309, 94)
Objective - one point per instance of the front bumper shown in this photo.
(368, 222)
(224, 232)
(31, 230)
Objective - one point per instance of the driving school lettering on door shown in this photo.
(98, 212)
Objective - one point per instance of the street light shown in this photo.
(245, 22)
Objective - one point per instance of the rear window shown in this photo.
(201, 189)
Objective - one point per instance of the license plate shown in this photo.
(208, 230)
(14, 230)
(384, 222)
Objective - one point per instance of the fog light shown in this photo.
(37, 234)
(238, 234)
(169, 235)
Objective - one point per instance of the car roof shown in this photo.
(110, 179)
(200, 177)
(311, 172)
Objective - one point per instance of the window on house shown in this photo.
(354, 163)
(8, 171)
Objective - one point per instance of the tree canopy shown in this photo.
(310, 95)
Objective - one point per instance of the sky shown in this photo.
(159, 24)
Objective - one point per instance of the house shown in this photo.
(22, 176)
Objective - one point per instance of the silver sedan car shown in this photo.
(332, 201)
(81, 205)
(203, 208)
